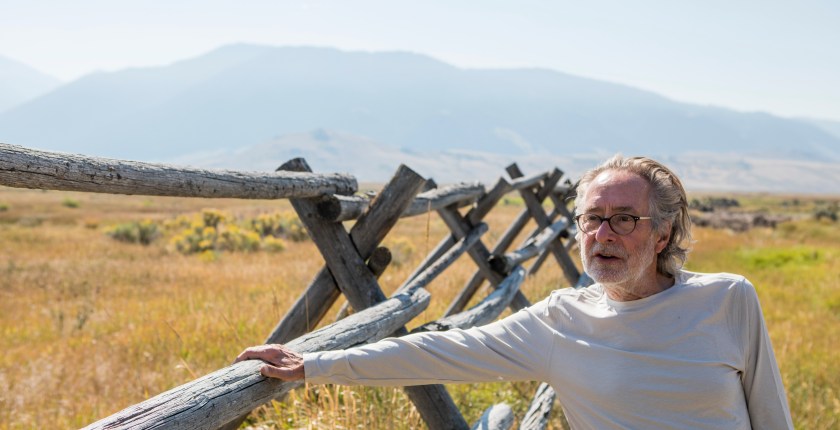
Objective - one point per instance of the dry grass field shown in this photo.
(90, 325)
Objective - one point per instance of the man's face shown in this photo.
(629, 261)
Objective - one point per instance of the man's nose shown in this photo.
(605, 233)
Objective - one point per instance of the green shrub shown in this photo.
(284, 225)
(211, 232)
(4, 207)
(273, 244)
(768, 258)
(828, 213)
(233, 238)
(70, 203)
(213, 217)
(143, 232)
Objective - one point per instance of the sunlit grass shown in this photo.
(90, 325)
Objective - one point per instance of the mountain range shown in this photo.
(248, 107)
(20, 83)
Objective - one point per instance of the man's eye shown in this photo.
(622, 218)
(591, 218)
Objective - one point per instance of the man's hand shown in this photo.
(283, 363)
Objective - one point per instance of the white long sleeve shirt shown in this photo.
(696, 355)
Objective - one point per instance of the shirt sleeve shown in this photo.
(505, 350)
(763, 389)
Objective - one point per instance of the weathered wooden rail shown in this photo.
(354, 260)
(28, 168)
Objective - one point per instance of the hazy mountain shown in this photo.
(386, 108)
(830, 127)
(243, 94)
(20, 83)
(371, 161)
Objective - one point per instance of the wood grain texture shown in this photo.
(358, 284)
(536, 418)
(345, 208)
(504, 263)
(485, 311)
(365, 234)
(28, 168)
(432, 271)
(221, 396)
(474, 216)
(479, 254)
(534, 203)
(496, 417)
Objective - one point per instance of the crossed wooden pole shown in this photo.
(353, 261)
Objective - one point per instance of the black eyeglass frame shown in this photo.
(608, 219)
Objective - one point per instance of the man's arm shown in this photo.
(763, 389)
(516, 348)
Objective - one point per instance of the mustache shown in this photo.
(611, 250)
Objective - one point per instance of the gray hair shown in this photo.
(668, 205)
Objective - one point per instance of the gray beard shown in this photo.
(619, 282)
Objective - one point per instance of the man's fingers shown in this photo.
(253, 353)
(270, 371)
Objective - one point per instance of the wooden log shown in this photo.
(322, 292)
(540, 410)
(528, 182)
(484, 312)
(459, 195)
(478, 277)
(29, 168)
(442, 248)
(584, 281)
(445, 260)
(479, 254)
(501, 246)
(219, 397)
(563, 189)
(488, 201)
(560, 205)
(358, 284)
(379, 260)
(474, 217)
(343, 260)
(344, 208)
(504, 263)
(534, 205)
(572, 242)
(377, 263)
(559, 199)
(496, 417)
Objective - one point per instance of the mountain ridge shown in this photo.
(241, 96)
(329, 151)
(20, 83)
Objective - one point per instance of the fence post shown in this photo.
(360, 287)
(535, 208)
(461, 227)
(559, 198)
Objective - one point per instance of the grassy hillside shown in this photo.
(90, 324)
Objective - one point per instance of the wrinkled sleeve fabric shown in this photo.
(501, 351)
(763, 389)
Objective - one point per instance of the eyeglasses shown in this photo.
(621, 224)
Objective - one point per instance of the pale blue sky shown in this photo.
(776, 56)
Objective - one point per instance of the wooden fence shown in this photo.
(354, 260)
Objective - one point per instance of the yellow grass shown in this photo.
(90, 325)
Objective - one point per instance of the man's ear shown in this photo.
(663, 236)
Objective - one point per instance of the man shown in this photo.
(649, 345)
